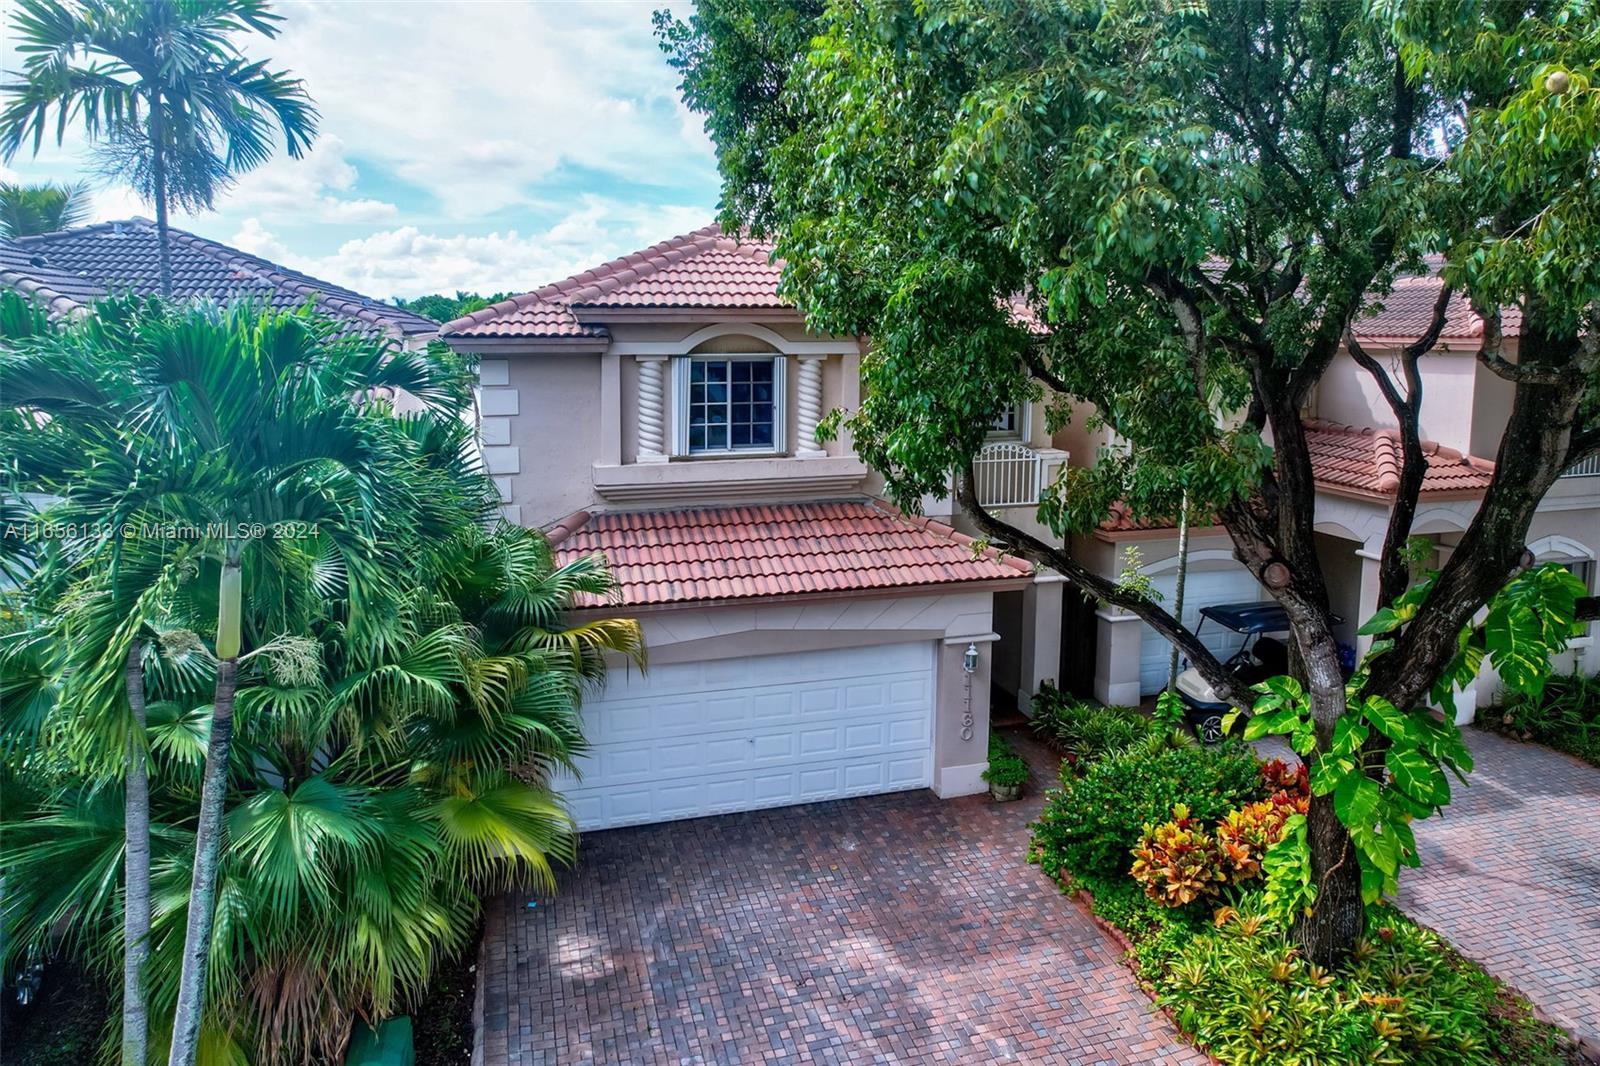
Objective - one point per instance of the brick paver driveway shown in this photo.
(1511, 875)
(891, 929)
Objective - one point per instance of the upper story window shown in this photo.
(730, 404)
(1010, 424)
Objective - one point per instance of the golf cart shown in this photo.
(1258, 658)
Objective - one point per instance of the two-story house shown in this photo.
(806, 640)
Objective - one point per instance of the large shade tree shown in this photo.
(161, 89)
(1173, 213)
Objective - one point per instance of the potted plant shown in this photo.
(1007, 773)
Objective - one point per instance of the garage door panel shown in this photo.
(674, 754)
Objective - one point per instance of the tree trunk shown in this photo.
(158, 173)
(1181, 580)
(136, 893)
(208, 838)
(1338, 917)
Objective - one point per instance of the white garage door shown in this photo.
(1203, 588)
(691, 739)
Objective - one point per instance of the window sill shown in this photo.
(719, 478)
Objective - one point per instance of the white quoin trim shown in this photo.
(652, 409)
(754, 330)
(809, 411)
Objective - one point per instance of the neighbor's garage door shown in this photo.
(691, 739)
(1203, 587)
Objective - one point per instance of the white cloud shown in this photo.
(406, 261)
(453, 137)
(497, 97)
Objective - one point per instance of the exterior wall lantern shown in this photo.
(969, 661)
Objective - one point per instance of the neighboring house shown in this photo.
(70, 268)
(806, 640)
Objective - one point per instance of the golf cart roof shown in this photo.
(1263, 616)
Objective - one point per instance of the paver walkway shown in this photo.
(1511, 875)
(890, 929)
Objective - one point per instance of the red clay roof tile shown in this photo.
(706, 268)
(733, 553)
(1363, 460)
(1368, 460)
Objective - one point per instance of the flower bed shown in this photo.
(1170, 848)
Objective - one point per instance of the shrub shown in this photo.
(1092, 824)
(1566, 716)
(1279, 776)
(1248, 996)
(1088, 731)
(1006, 768)
(1178, 862)
(1244, 835)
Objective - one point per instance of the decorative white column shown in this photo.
(809, 408)
(652, 409)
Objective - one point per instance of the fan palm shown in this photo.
(27, 210)
(250, 435)
(161, 88)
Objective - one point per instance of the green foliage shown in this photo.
(1169, 710)
(1565, 715)
(170, 102)
(1384, 767)
(28, 210)
(407, 685)
(1087, 731)
(1006, 768)
(442, 308)
(1249, 997)
(1092, 824)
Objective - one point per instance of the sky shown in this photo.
(466, 144)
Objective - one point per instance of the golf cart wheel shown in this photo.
(1209, 729)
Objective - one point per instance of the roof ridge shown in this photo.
(73, 231)
(596, 281)
(333, 297)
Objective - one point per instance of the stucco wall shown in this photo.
(1460, 409)
(540, 432)
(550, 419)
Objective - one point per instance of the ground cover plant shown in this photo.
(1565, 716)
(1085, 730)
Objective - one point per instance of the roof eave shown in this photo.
(988, 584)
(471, 345)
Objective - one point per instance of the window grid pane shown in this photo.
(731, 404)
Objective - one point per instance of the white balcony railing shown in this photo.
(1589, 467)
(1008, 474)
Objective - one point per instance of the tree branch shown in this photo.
(1061, 561)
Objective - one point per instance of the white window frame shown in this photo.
(1022, 419)
(680, 405)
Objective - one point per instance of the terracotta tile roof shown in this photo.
(734, 553)
(1364, 460)
(83, 264)
(1408, 310)
(706, 268)
(1368, 460)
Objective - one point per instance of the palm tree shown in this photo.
(382, 783)
(160, 87)
(27, 210)
(254, 433)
